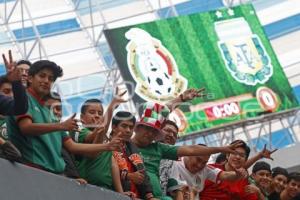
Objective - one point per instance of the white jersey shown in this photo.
(180, 176)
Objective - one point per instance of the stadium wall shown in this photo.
(21, 182)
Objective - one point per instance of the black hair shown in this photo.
(123, 116)
(45, 64)
(53, 95)
(294, 176)
(26, 62)
(279, 171)
(166, 122)
(221, 158)
(3, 79)
(243, 146)
(261, 165)
(87, 103)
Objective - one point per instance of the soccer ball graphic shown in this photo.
(155, 72)
(160, 84)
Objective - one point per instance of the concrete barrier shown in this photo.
(19, 182)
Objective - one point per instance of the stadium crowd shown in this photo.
(138, 158)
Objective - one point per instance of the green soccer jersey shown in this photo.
(3, 129)
(43, 150)
(79, 137)
(97, 170)
(152, 156)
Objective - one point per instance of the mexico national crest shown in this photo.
(243, 52)
(152, 67)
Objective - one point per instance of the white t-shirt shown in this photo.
(180, 176)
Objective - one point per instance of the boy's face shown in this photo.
(293, 188)
(196, 164)
(279, 182)
(24, 69)
(6, 89)
(93, 115)
(237, 160)
(170, 134)
(125, 128)
(41, 82)
(262, 178)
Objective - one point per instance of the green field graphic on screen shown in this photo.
(225, 51)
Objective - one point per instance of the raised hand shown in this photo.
(116, 143)
(100, 134)
(11, 152)
(12, 72)
(130, 194)
(251, 189)
(81, 181)
(190, 94)
(266, 153)
(118, 98)
(70, 124)
(99, 129)
(231, 148)
(189, 193)
(241, 173)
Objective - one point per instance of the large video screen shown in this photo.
(226, 51)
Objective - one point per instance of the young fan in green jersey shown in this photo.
(37, 135)
(101, 170)
(53, 101)
(132, 169)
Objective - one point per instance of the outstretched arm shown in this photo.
(265, 153)
(91, 150)
(233, 175)
(117, 100)
(29, 128)
(198, 150)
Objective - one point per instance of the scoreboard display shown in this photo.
(226, 51)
